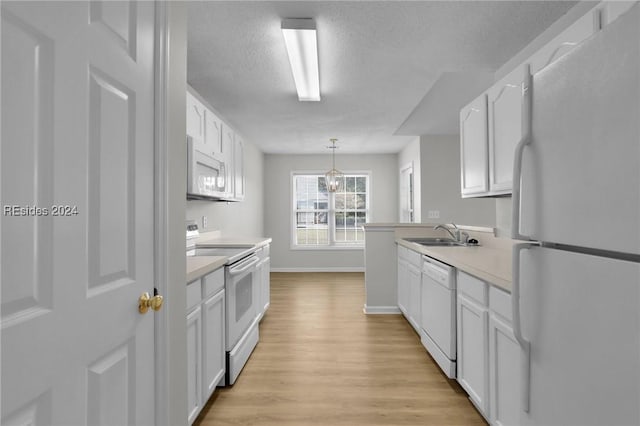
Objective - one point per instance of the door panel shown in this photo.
(118, 20)
(505, 128)
(473, 147)
(109, 385)
(77, 141)
(26, 78)
(111, 181)
(583, 162)
(581, 314)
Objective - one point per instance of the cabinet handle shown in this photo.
(525, 345)
(527, 86)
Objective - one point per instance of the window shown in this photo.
(325, 219)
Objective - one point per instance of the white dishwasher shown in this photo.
(438, 321)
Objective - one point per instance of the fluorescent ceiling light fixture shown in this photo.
(302, 47)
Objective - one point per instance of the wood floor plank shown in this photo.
(322, 361)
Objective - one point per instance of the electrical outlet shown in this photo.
(204, 222)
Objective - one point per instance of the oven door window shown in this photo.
(244, 296)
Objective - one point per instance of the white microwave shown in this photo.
(206, 176)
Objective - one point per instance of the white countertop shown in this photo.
(198, 266)
(490, 264)
(214, 239)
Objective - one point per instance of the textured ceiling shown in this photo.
(387, 69)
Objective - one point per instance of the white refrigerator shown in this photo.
(576, 282)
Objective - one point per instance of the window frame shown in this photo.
(331, 212)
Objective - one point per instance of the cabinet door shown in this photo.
(415, 277)
(213, 354)
(565, 42)
(504, 373)
(473, 148)
(505, 128)
(473, 354)
(403, 286)
(238, 169)
(266, 284)
(195, 118)
(213, 136)
(228, 141)
(194, 363)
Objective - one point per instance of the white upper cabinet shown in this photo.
(195, 117)
(238, 169)
(473, 148)
(213, 136)
(565, 41)
(505, 129)
(492, 125)
(228, 142)
(611, 10)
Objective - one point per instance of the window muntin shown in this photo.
(324, 219)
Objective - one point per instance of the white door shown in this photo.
(77, 132)
(406, 194)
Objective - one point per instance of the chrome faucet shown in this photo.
(457, 235)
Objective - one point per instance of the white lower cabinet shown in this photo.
(415, 290)
(488, 353)
(265, 294)
(194, 363)
(504, 361)
(263, 283)
(205, 339)
(409, 285)
(403, 283)
(473, 340)
(504, 355)
(213, 353)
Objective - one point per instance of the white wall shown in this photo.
(278, 214)
(411, 154)
(243, 218)
(440, 170)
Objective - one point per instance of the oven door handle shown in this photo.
(249, 263)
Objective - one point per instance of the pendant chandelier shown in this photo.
(333, 177)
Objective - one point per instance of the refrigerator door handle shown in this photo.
(519, 151)
(525, 345)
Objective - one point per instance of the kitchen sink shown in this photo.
(437, 241)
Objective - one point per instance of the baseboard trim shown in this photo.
(329, 269)
(381, 310)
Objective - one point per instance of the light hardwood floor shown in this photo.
(322, 361)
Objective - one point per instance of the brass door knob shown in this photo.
(145, 301)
